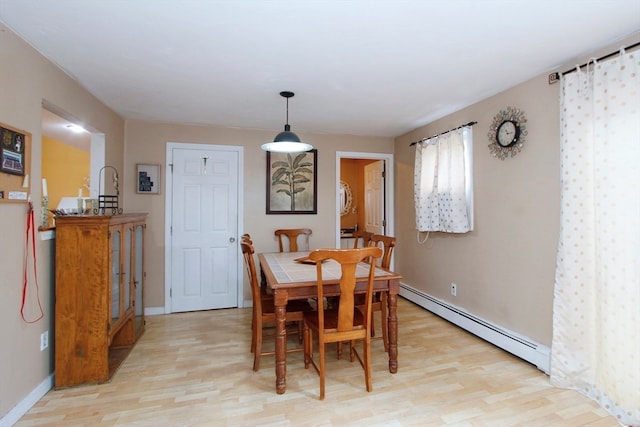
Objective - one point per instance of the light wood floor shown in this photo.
(194, 369)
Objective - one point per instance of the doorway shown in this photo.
(386, 200)
(71, 159)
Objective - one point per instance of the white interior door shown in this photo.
(374, 197)
(204, 228)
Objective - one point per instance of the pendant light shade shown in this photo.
(287, 141)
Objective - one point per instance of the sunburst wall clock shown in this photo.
(507, 133)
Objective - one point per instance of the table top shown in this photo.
(282, 270)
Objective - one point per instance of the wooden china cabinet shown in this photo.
(99, 312)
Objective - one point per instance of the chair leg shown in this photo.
(367, 364)
(253, 332)
(308, 348)
(300, 331)
(321, 348)
(373, 322)
(257, 351)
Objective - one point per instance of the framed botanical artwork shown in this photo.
(147, 179)
(292, 182)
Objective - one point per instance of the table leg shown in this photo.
(280, 304)
(392, 324)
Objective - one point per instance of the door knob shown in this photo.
(232, 239)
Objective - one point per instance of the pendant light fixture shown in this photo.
(287, 141)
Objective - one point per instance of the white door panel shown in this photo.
(374, 197)
(204, 248)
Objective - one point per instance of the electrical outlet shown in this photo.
(44, 340)
(454, 289)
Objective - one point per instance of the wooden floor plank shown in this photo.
(194, 369)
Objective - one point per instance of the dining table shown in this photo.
(290, 276)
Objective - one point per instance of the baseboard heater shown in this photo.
(532, 352)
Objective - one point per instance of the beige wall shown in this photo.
(27, 79)
(505, 268)
(146, 143)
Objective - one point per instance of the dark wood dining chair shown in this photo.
(264, 311)
(298, 239)
(345, 322)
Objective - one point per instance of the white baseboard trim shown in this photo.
(534, 353)
(27, 403)
(153, 311)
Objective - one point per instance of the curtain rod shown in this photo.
(602, 58)
(442, 133)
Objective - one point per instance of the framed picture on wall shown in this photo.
(147, 179)
(292, 182)
(12, 152)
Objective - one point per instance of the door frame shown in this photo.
(388, 187)
(168, 208)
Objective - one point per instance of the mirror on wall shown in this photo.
(346, 198)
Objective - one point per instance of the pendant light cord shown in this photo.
(287, 111)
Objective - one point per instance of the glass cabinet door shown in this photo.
(115, 275)
(139, 277)
(126, 274)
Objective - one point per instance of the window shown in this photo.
(443, 182)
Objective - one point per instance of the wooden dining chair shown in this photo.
(263, 283)
(362, 238)
(298, 238)
(388, 243)
(379, 304)
(264, 310)
(345, 322)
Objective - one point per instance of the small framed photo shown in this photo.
(147, 179)
(12, 152)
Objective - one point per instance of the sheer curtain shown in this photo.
(596, 312)
(442, 182)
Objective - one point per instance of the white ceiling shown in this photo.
(362, 67)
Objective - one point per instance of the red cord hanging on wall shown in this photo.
(30, 241)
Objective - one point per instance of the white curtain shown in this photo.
(442, 182)
(596, 311)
